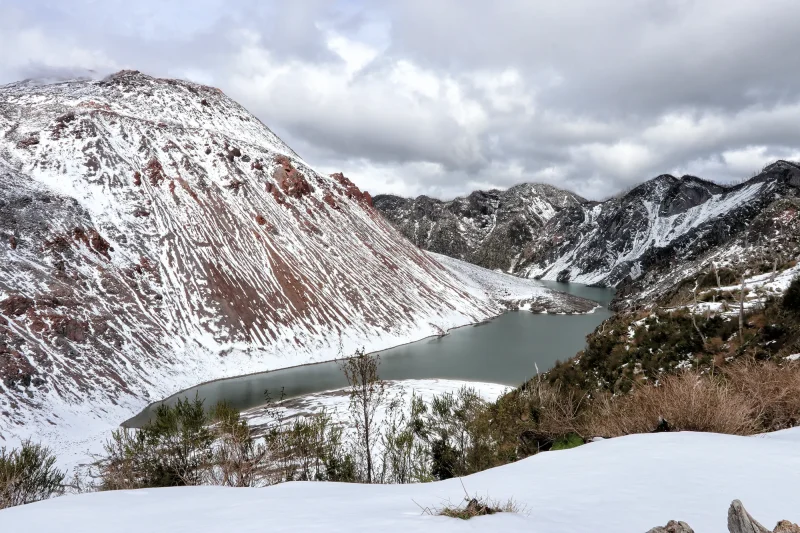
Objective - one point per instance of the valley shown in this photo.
(167, 262)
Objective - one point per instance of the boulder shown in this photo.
(740, 521)
(673, 526)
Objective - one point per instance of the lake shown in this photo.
(507, 350)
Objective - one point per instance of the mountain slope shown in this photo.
(154, 234)
(636, 241)
(487, 228)
(666, 219)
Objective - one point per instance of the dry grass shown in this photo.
(772, 391)
(745, 398)
(472, 506)
(557, 410)
(687, 402)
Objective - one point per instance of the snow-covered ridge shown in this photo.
(664, 219)
(540, 232)
(487, 228)
(154, 235)
(625, 485)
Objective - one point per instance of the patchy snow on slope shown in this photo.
(662, 222)
(488, 228)
(758, 288)
(622, 485)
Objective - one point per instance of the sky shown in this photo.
(442, 97)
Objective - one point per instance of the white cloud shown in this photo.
(441, 97)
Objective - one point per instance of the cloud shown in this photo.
(438, 98)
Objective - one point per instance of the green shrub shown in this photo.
(570, 441)
(28, 474)
(166, 452)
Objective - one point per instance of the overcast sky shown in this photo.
(442, 97)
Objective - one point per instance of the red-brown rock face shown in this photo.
(351, 190)
(289, 179)
(117, 290)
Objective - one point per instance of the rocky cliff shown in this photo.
(487, 228)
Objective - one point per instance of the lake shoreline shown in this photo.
(401, 361)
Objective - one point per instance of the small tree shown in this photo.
(237, 460)
(367, 393)
(28, 474)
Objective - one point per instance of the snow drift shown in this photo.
(625, 485)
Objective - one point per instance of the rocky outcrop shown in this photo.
(663, 222)
(486, 228)
(637, 241)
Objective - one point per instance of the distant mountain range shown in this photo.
(487, 228)
(538, 231)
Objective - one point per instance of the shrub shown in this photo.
(791, 300)
(169, 451)
(570, 441)
(772, 390)
(686, 402)
(472, 506)
(477, 506)
(28, 474)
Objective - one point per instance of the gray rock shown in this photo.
(740, 521)
(673, 526)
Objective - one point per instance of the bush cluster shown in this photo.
(28, 474)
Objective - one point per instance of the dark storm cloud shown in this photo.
(440, 97)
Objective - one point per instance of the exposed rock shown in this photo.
(673, 527)
(15, 305)
(351, 190)
(289, 179)
(740, 521)
(487, 228)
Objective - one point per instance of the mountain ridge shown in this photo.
(478, 227)
(615, 242)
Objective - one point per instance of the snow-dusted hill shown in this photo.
(487, 228)
(154, 234)
(625, 485)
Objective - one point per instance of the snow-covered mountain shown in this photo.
(487, 228)
(666, 220)
(154, 234)
(649, 233)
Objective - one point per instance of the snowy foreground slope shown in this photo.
(622, 485)
(154, 235)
